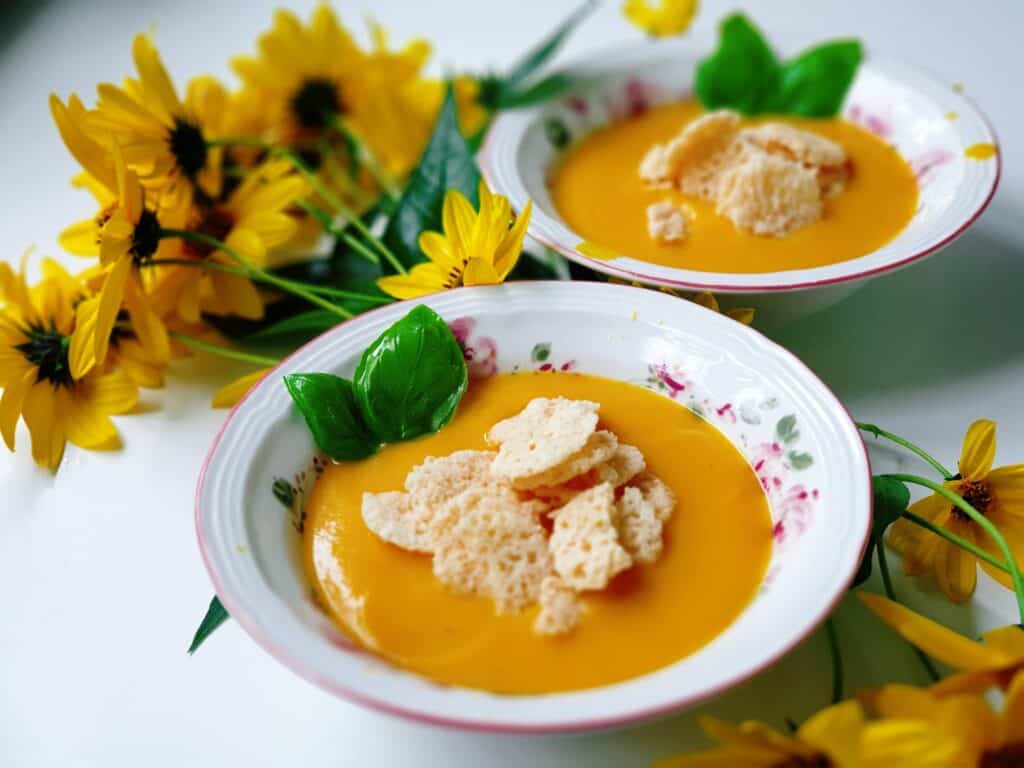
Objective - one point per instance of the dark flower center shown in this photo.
(1010, 756)
(216, 223)
(977, 495)
(188, 146)
(315, 103)
(47, 348)
(145, 238)
(818, 761)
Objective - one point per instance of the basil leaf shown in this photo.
(536, 57)
(542, 90)
(447, 163)
(815, 83)
(215, 616)
(410, 380)
(743, 74)
(890, 498)
(329, 407)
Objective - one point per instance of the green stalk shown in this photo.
(369, 159)
(883, 566)
(837, 660)
(284, 284)
(960, 541)
(879, 432)
(984, 523)
(216, 349)
(329, 227)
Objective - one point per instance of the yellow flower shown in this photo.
(662, 18)
(706, 299)
(36, 332)
(163, 138)
(998, 494)
(234, 391)
(985, 737)
(126, 236)
(992, 663)
(252, 221)
(477, 248)
(309, 76)
(837, 737)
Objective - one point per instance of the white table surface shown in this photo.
(102, 584)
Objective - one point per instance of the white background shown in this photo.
(101, 580)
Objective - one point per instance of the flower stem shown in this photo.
(216, 349)
(368, 158)
(984, 523)
(329, 227)
(284, 284)
(883, 566)
(335, 202)
(879, 432)
(837, 660)
(970, 546)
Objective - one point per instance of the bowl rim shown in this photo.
(313, 675)
(510, 126)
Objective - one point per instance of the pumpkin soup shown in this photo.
(664, 604)
(838, 211)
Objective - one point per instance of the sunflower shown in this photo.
(985, 737)
(477, 247)
(37, 328)
(316, 79)
(662, 18)
(252, 221)
(998, 494)
(837, 737)
(991, 663)
(164, 139)
(125, 234)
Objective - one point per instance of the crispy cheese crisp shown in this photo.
(666, 222)
(600, 447)
(392, 516)
(560, 608)
(657, 493)
(768, 195)
(626, 463)
(791, 143)
(584, 543)
(639, 526)
(439, 479)
(493, 545)
(542, 436)
(699, 139)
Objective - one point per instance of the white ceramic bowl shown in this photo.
(928, 122)
(793, 430)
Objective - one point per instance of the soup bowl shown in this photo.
(929, 123)
(794, 433)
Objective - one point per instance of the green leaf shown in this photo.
(815, 83)
(305, 324)
(890, 498)
(328, 404)
(410, 380)
(215, 616)
(446, 163)
(743, 74)
(540, 352)
(536, 57)
(542, 90)
(866, 563)
(786, 430)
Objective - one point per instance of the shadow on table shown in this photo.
(945, 318)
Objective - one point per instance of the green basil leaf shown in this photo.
(329, 407)
(866, 564)
(815, 83)
(743, 74)
(891, 499)
(447, 163)
(305, 324)
(542, 90)
(410, 380)
(536, 57)
(215, 616)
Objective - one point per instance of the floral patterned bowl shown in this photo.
(932, 125)
(796, 435)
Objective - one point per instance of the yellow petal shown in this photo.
(155, 78)
(111, 296)
(12, 401)
(82, 351)
(1012, 731)
(88, 426)
(236, 295)
(1009, 640)
(1006, 485)
(438, 249)
(722, 758)
(957, 571)
(420, 281)
(459, 219)
(979, 450)
(81, 238)
(907, 744)
(1011, 526)
(480, 272)
(836, 731)
(91, 155)
(131, 357)
(706, 299)
(744, 315)
(750, 735)
(934, 639)
(234, 391)
(511, 246)
(44, 415)
(147, 325)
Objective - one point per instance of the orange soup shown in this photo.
(599, 193)
(717, 546)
